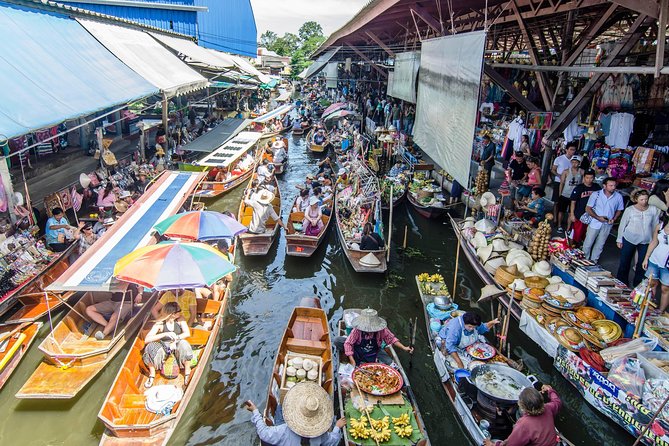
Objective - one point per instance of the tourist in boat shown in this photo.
(308, 183)
(108, 312)
(370, 240)
(325, 167)
(313, 218)
(84, 233)
(57, 231)
(168, 335)
(186, 300)
(262, 211)
(107, 197)
(297, 124)
(460, 333)
(304, 418)
(536, 427)
(319, 137)
(100, 226)
(367, 340)
(302, 202)
(264, 170)
(280, 154)
(397, 169)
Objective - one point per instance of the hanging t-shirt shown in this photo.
(516, 129)
(620, 130)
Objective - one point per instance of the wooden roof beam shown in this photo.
(509, 88)
(588, 34)
(647, 7)
(380, 43)
(368, 60)
(427, 18)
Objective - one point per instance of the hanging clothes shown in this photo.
(516, 131)
(621, 129)
(571, 132)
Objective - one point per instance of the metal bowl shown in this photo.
(442, 303)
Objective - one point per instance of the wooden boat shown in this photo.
(225, 157)
(280, 168)
(73, 357)
(316, 148)
(297, 243)
(124, 414)
(298, 131)
(307, 335)
(16, 340)
(433, 211)
(488, 279)
(344, 394)
(385, 205)
(259, 244)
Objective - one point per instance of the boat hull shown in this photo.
(426, 211)
(210, 190)
(355, 255)
(300, 245)
(259, 244)
(16, 349)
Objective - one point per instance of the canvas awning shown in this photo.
(147, 57)
(94, 269)
(53, 70)
(247, 68)
(197, 55)
(231, 151)
(319, 63)
(284, 95)
(279, 111)
(211, 140)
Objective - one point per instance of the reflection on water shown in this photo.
(266, 290)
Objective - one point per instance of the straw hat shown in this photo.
(370, 260)
(515, 245)
(515, 253)
(369, 321)
(493, 263)
(484, 253)
(84, 180)
(489, 291)
(486, 226)
(125, 194)
(536, 282)
(555, 279)
(488, 199)
(479, 240)
(121, 206)
(313, 201)
(500, 245)
(469, 223)
(265, 197)
(543, 268)
(523, 263)
(529, 274)
(277, 144)
(308, 409)
(519, 284)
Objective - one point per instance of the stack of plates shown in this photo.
(608, 331)
(532, 298)
(570, 337)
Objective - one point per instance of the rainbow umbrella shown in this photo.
(200, 225)
(172, 265)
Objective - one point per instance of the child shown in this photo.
(535, 210)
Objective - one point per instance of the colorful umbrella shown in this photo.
(338, 114)
(200, 225)
(172, 265)
(333, 108)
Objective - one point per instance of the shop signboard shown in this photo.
(620, 406)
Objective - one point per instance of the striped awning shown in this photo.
(94, 269)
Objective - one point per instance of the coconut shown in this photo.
(308, 364)
(297, 362)
(291, 371)
(301, 374)
(312, 375)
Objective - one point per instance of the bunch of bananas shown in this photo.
(402, 420)
(381, 424)
(358, 429)
(403, 431)
(422, 277)
(436, 278)
(382, 435)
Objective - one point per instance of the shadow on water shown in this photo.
(266, 290)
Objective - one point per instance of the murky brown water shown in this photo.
(266, 291)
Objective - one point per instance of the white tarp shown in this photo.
(448, 95)
(246, 67)
(196, 54)
(403, 83)
(331, 75)
(319, 63)
(146, 57)
(539, 334)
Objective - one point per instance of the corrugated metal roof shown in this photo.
(228, 26)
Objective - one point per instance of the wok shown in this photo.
(504, 371)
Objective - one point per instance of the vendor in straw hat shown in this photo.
(460, 333)
(279, 149)
(304, 418)
(261, 203)
(366, 341)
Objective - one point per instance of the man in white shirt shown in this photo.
(261, 203)
(279, 152)
(604, 207)
(561, 163)
(264, 170)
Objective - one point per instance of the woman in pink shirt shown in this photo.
(537, 425)
(365, 343)
(533, 178)
(106, 197)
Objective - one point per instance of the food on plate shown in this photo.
(377, 379)
(481, 350)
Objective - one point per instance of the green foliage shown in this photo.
(299, 47)
(309, 30)
(286, 45)
(268, 39)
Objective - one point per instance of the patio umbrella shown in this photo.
(200, 225)
(333, 108)
(338, 114)
(172, 265)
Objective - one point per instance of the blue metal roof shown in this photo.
(228, 26)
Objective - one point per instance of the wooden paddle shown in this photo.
(6, 336)
(364, 400)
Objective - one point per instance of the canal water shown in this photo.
(266, 290)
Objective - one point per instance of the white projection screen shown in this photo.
(331, 75)
(403, 84)
(448, 94)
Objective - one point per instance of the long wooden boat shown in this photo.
(426, 211)
(307, 335)
(316, 148)
(385, 205)
(72, 356)
(259, 244)
(470, 254)
(225, 157)
(407, 394)
(280, 168)
(16, 340)
(297, 243)
(123, 413)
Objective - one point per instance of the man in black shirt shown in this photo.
(518, 167)
(579, 200)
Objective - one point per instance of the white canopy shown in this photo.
(231, 151)
(147, 57)
(196, 54)
(248, 68)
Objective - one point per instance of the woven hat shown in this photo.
(265, 197)
(555, 279)
(121, 206)
(469, 223)
(519, 284)
(277, 144)
(490, 291)
(479, 240)
(486, 226)
(125, 194)
(488, 199)
(493, 263)
(369, 321)
(313, 200)
(84, 180)
(484, 253)
(370, 260)
(543, 268)
(500, 245)
(515, 245)
(308, 409)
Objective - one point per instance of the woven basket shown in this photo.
(505, 275)
(537, 282)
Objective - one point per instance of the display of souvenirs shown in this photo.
(21, 258)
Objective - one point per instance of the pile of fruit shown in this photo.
(539, 245)
(434, 278)
(433, 285)
(481, 181)
(380, 429)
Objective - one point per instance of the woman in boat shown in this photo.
(185, 299)
(537, 425)
(313, 218)
(370, 241)
(460, 333)
(168, 335)
(107, 197)
(367, 340)
(279, 148)
(302, 202)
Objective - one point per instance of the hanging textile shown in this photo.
(621, 129)
(77, 199)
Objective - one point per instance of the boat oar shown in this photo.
(364, 400)
(412, 327)
(8, 335)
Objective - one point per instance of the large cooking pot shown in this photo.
(505, 373)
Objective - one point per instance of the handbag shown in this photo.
(586, 218)
(109, 158)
